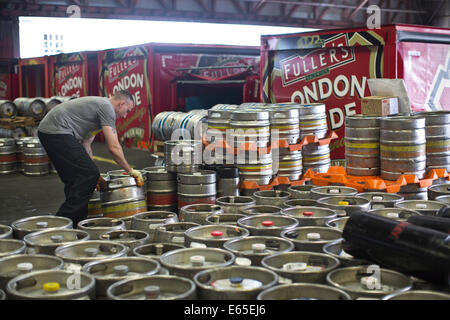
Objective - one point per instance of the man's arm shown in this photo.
(87, 146)
(114, 147)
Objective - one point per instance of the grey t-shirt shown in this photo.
(82, 117)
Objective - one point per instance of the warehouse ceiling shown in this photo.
(322, 14)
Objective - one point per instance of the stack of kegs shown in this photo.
(31, 107)
(171, 125)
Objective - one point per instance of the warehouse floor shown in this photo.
(25, 196)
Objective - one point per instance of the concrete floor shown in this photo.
(25, 196)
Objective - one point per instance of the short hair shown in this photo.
(123, 95)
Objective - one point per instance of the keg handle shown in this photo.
(291, 234)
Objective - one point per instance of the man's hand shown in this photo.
(137, 176)
(102, 185)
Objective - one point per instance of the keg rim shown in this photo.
(29, 238)
(342, 294)
(231, 242)
(335, 265)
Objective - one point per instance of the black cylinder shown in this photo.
(402, 246)
(431, 222)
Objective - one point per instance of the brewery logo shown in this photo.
(440, 83)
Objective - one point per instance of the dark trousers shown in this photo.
(77, 171)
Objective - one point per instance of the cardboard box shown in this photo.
(379, 106)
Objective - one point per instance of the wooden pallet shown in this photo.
(13, 123)
(158, 148)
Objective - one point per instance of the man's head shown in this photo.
(122, 102)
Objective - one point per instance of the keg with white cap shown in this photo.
(173, 232)
(438, 190)
(161, 189)
(15, 265)
(303, 291)
(267, 225)
(6, 232)
(24, 226)
(271, 197)
(311, 239)
(402, 146)
(182, 156)
(345, 205)
(109, 271)
(255, 248)
(337, 249)
(46, 241)
(417, 295)
(8, 158)
(301, 192)
(7, 109)
(362, 145)
(30, 107)
(149, 220)
(155, 250)
(316, 157)
(124, 198)
(399, 214)
(214, 236)
(198, 213)
(35, 158)
(232, 204)
(310, 216)
(52, 285)
(338, 223)
(189, 261)
(233, 283)
(369, 281)
(380, 200)
(130, 238)
(196, 187)
(10, 247)
(260, 209)
(328, 191)
(300, 266)
(424, 207)
(437, 131)
(156, 287)
(96, 227)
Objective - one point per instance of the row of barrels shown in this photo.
(25, 155)
(30, 107)
(396, 145)
(240, 248)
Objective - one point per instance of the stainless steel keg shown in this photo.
(362, 145)
(255, 248)
(267, 225)
(213, 236)
(148, 221)
(75, 255)
(271, 197)
(16, 265)
(19, 152)
(260, 209)
(298, 266)
(286, 122)
(369, 281)
(10, 247)
(218, 124)
(130, 238)
(232, 204)
(227, 183)
(155, 250)
(424, 207)
(310, 216)
(402, 146)
(161, 189)
(438, 190)
(287, 164)
(380, 200)
(51, 102)
(417, 295)
(182, 156)
(300, 203)
(443, 199)
(52, 285)
(312, 119)
(46, 241)
(30, 107)
(198, 213)
(311, 239)
(8, 158)
(197, 187)
(255, 166)
(233, 283)
(316, 157)
(173, 232)
(95, 205)
(399, 214)
(250, 126)
(7, 109)
(328, 191)
(338, 223)
(6, 232)
(35, 158)
(156, 287)
(337, 248)
(301, 192)
(96, 227)
(224, 218)
(162, 125)
(109, 271)
(24, 226)
(303, 291)
(189, 261)
(345, 205)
